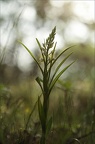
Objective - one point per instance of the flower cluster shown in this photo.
(47, 55)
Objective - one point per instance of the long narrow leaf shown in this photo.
(32, 56)
(28, 120)
(38, 43)
(57, 77)
(61, 54)
(58, 67)
(49, 124)
(41, 113)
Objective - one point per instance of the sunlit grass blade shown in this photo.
(76, 140)
(38, 43)
(2, 55)
(32, 56)
(57, 77)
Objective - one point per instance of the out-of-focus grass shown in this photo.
(73, 112)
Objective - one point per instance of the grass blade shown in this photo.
(41, 113)
(57, 77)
(61, 54)
(58, 67)
(39, 44)
(32, 56)
(49, 124)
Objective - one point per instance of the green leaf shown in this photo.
(41, 113)
(57, 77)
(61, 54)
(39, 44)
(40, 108)
(58, 67)
(39, 82)
(32, 56)
(49, 124)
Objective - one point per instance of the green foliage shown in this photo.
(47, 82)
(49, 124)
(70, 116)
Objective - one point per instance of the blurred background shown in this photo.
(24, 21)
